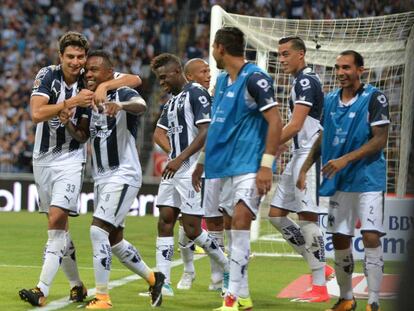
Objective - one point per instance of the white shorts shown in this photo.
(239, 188)
(59, 186)
(345, 208)
(178, 192)
(211, 198)
(287, 196)
(112, 202)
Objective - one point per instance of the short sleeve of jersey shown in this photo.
(127, 93)
(378, 109)
(43, 82)
(163, 120)
(307, 90)
(260, 87)
(200, 102)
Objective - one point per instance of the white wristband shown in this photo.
(201, 158)
(267, 160)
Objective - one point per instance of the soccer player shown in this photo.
(241, 143)
(355, 132)
(58, 159)
(306, 100)
(117, 176)
(184, 121)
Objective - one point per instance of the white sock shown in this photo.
(216, 269)
(228, 242)
(239, 260)
(315, 251)
(164, 255)
(102, 258)
(373, 269)
(244, 286)
(69, 265)
(291, 232)
(213, 250)
(52, 257)
(129, 256)
(187, 253)
(344, 267)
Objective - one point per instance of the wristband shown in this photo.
(201, 158)
(267, 160)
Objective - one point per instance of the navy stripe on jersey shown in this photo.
(183, 136)
(96, 145)
(112, 144)
(61, 131)
(44, 144)
(121, 199)
(132, 124)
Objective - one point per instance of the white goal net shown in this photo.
(385, 42)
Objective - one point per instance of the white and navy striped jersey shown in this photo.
(307, 90)
(113, 139)
(53, 143)
(180, 117)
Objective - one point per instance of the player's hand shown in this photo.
(334, 166)
(264, 180)
(65, 115)
(281, 149)
(100, 94)
(112, 108)
(196, 177)
(83, 99)
(171, 168)
(301, 182)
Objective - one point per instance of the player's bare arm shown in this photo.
(295, 124)
(42, 111)
(374, 145)
(136, 105)
(174, 165)
(79, 132)
(264, 175)
(313, 156)
(198, 172)
(129, 80)
(161, 139)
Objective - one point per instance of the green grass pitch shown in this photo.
(23, 236)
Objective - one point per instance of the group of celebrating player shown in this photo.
(232, 138)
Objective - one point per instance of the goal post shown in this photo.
(385, 42)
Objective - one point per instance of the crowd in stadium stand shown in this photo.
(133, 31)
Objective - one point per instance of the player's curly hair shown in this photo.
(164, 59)
(73, 38)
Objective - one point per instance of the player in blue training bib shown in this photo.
(241, 143)
(355, 132)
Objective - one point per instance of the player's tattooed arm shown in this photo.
(313, 156)
(120, 80)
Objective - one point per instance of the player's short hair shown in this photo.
(165, 59)
(105, 55)
(358, 59)
(73, 38)
(232, 38)
(297, 43)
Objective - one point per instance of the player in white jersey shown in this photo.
(117, 176)
(198, 70)
(184, 121)
(58, 159)
(305, 236)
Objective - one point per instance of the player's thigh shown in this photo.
(342, 213)
(211, 198)
(43, 180)
(371, 211)
(284, 196)
(190, 199)
(113, 202)
(245, 190)
(168, 194)
(66, 187)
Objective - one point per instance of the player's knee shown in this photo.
(277, 212)
(57, 219)
(214, 223)
(371, 239)
(192, 232)
(341, 241)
